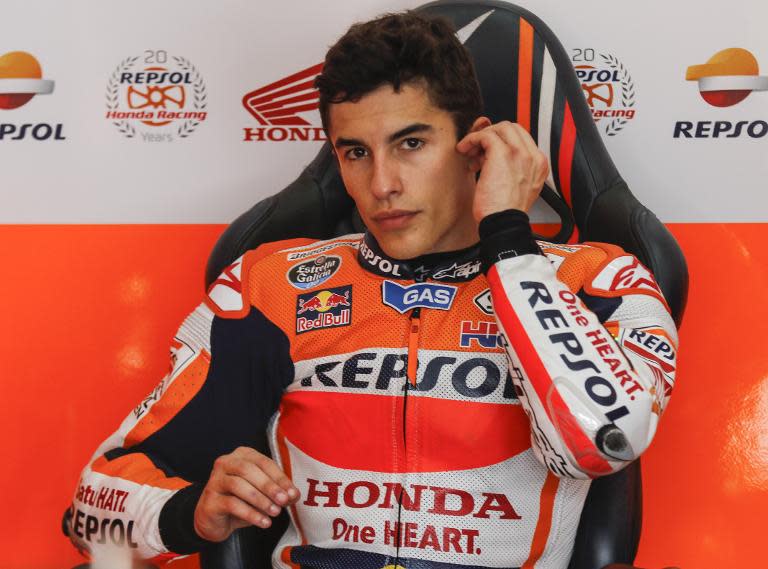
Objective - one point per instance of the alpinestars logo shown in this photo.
(608, 87)
(161, 98)
(281, 109)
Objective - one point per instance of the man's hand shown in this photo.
(512, 168)
(245, 488)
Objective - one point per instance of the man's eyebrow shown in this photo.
(348, 142)
(410, 129)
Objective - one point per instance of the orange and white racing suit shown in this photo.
(443, 412)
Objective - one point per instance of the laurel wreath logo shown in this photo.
(123, 126)
(627, 93)
(199, 96)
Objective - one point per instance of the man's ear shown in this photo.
(475, 160)
(480, 123)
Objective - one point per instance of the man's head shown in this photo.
(396, 95)
(397, 49)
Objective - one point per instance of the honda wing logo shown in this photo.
(278, 103)
(278, 108)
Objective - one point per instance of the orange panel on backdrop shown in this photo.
(90, 310)
(706, 474)
(89, 313)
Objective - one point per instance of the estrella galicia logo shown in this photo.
(313, 272)
(419, 295)
(329, 308)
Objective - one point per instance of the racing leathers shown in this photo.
(440, 413)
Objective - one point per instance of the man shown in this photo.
(400, 434)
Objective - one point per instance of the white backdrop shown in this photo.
(98, 175)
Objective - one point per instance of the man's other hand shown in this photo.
(512, 168)
(245, 488)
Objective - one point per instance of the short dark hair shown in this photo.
(397, 49)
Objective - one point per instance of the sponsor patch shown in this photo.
(304, 253)
(458, 271)
(484, 334)
(330, 308)
(419, 295)
(381, 264)
(652, 344)
(313, 272)
(483, 302)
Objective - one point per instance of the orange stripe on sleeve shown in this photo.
(139, 469)
(285, 458)
(544, 523)
(285, 556)
(179, 393)
(525, 75)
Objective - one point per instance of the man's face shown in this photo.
(398, 159)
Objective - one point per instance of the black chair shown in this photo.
(527, 77)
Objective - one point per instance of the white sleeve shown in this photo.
(593, 387)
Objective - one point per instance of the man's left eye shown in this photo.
(412, 143)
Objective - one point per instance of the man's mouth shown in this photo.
(394, 218)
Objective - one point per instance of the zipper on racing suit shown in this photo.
(414, 334)
(413, 345)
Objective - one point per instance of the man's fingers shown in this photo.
(284, 484)
(242, 511)
(263, 473)
(243, 489)
(255, 477)
(519, 139)
(478, 142)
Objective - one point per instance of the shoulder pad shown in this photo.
(620, 274)
(229, 297)
(226, 295)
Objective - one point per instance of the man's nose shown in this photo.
(385, 178)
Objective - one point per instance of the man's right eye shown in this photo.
(355, 153)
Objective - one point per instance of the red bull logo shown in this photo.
(324, 309)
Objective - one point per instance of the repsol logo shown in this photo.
(156, 77)
(106, 530)
(598, 75)
(378, 262)
(720, 129)
(39, 131)
(569, 347)
(473, 377)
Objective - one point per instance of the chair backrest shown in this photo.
(527, 77)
